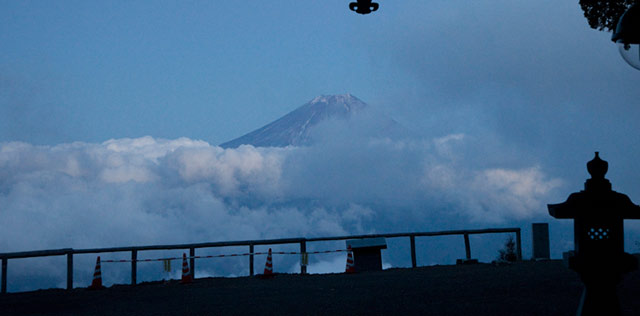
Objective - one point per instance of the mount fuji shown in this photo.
(298, 127)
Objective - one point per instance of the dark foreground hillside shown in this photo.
(526, 288)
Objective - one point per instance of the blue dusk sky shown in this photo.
(111, 113)
(92, 70)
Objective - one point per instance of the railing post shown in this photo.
(251, 259)
(4, 275)
(412, 238)
(70, 271)
(134, 266)
(518, 245)
(467, 247)
(303, 249)
(192, 262)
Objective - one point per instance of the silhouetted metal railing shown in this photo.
(69, 252)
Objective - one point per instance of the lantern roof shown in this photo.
(597, 200)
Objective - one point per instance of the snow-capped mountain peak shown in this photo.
(295, 127)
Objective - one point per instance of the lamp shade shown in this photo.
(627, 36)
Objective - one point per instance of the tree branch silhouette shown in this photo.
(603, 15)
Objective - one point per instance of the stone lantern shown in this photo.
(598, 213)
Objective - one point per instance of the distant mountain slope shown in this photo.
(295, 127)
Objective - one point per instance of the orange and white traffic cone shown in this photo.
(351, 268)
(186, 275)
(268, 266)
(96, 284)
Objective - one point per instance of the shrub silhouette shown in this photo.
(508, 253)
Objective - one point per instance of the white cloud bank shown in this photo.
(154, 191)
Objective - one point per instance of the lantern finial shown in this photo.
(597, 167)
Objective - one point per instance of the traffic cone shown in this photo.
(351, 268)
(268, 267)
(96, 284)
(186, 276)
